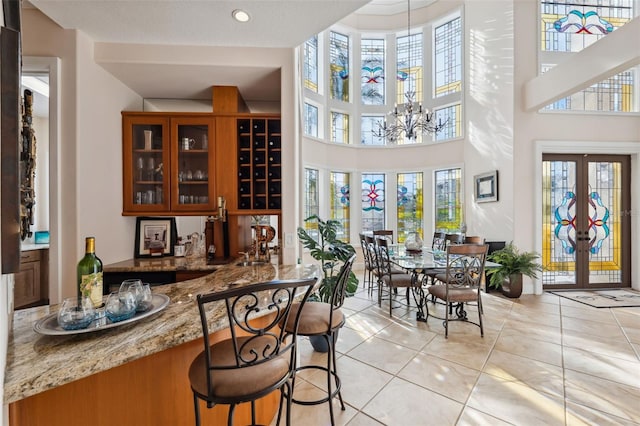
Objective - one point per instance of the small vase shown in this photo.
(413, 242)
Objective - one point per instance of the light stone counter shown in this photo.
(36, 363)
(165, 264)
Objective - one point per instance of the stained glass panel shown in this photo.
(448, 200)
(339, 204)
(310, 120)
(409, 66)
(311, 199)
(570, 26)
(339, 127)
(372, 73)
(559, 222)
(447, 58)
(369, 128)
(339, 66)
(605, 203)
(451, 116)
(410, 199)
(311, 64)
(613, 94)
(373, 201)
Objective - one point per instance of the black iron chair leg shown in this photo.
(196, 405)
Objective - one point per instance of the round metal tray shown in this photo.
(49, 325)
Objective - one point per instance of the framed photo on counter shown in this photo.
(155, 236)
(486, 187)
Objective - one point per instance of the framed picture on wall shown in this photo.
(155, 236)
(486, 187)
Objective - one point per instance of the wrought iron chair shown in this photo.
(324, 319)
(453, 239)
(368, 264)
(461, 282)
(259, 357)
(391, 277)
(384, 233)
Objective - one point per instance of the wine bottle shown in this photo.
(90, 274)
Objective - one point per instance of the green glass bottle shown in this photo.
(90, 274)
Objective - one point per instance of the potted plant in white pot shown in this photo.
(513, 265)
(331, 252)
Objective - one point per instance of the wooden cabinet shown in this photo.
(32, 280)
(168, 164)
(259, 164)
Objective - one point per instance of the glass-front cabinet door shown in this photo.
(193, 166)
(146, 164)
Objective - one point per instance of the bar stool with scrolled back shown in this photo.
(324, 319)
(259, 357)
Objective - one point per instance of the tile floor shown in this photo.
(544, 360)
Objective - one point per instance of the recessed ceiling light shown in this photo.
(240, 15)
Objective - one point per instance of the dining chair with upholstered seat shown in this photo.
(439, 243)
(260, 356)
(324, 319)
(473, 239)
(391, 277)
(371, 245)
(461, 282)
(385, 233)
(453, 239)
(368, 263)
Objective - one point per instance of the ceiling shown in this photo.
(274, 23)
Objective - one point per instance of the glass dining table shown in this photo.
(423, 263)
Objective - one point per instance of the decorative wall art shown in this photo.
(486, 187)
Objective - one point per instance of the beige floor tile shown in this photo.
(533, 331)
(579, 415)
(538, 350)
(473, 417)
(361, 419)
(349, 338)
(367, 324)
(413, 337)
(620, 401)
(469, 350)
(317, 415)
(386, 356)
(516, 403)
(452, 380)
(357, 303)
(595, 328)
(613, 347)
(540, 318)
(544, 303)
(402, 403)
(535, 374)
(593, 314)
(628, 317)
(621, 371)
(360, 381)
(573, 304)
(633, 334)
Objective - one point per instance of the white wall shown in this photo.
(89, 148)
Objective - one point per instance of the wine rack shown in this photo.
(259, 164)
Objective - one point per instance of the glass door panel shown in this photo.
(585, 227)
(194, 164)
(146, 164)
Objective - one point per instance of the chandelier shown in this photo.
(409, 119)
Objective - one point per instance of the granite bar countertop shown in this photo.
(36, 363)
(166, 264)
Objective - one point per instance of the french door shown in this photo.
(585, 221)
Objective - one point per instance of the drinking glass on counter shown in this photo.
(120, 305)
(141, 292)
(76, 313)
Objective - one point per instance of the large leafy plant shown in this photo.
(331, 253)
(512, 261)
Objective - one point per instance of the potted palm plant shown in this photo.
(513, 265)
(331, 252)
